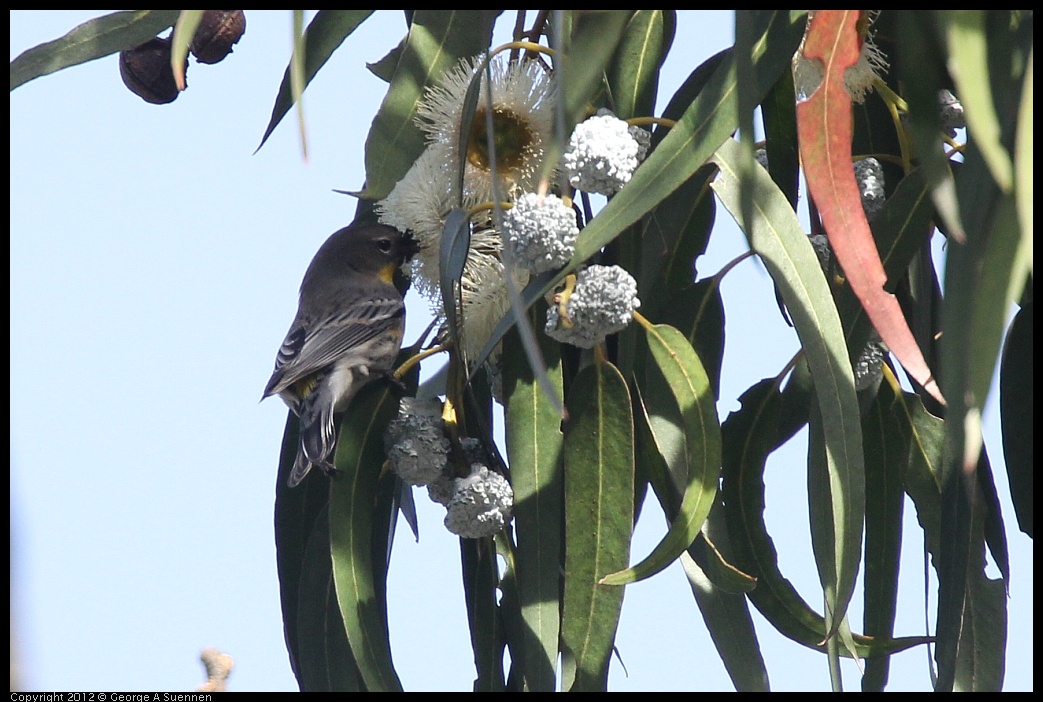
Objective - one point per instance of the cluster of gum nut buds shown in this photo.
(418, 452)
(146, 69)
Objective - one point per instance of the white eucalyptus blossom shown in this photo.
(602, 303)
(523, 100)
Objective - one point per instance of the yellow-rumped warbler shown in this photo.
(347, 331)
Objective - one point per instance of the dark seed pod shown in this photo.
(146, 71)
(217, 31)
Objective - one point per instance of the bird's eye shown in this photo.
(384, 245)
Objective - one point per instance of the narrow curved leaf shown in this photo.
(535, 452)
(922, 71)
(825, 513)
(981, 646)
(180, 40)
(983, 274)
(634, 73)
(886, 445)
(452, 256)
(324, 35)
(384, 68)
(296, 512)
(673, 236)
(776, 235)
(824, 127)
(969, 66)
(478, 566)
(780, 135)
(698, 313)
(599, 518)
(357, 570)
(728, 620)
(91, 40)
(510, 613)
(1024, 159)
(1016, 401)
(592, 44)
(652, 450)
(437, 39)
(712, 562)
(749, 435)
(696, 410)
(326, 661)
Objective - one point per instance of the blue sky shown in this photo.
(155, 261)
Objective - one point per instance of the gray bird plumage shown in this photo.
(347, 331)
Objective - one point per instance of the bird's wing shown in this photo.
(311, 346)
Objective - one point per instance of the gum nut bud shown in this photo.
(217, 31)
(147, 73)
(481, 504)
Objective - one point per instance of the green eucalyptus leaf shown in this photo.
(296, 513)
(101, 36)
(452, 257)
(775, 234)
(1024, 159)
(822, 506)
(923, 73)
(592, 45)
(326, 661)
(355, 512)
(535, 451)
(510, 615)
(780, 136)
(886, 443)
(478, 564)
(325, 33)
(991, 269)
(599, 518)
(633, 75)
(673, 236)
(1016, 401)
(384, 68)
(968, 48)
(184, 31)
(981, 641)
(713, 562)
(698, 313)
(699, 443)
(689, 90)
(748, 436)
(728, 620)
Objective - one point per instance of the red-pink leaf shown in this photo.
(824, 130)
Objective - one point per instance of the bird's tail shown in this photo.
(318, 438)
